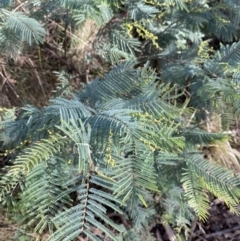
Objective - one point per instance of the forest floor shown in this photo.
(221, 226)
(6, 229)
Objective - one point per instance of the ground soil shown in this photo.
(222, 225)
(6, 229)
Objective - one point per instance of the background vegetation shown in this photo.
(118, 117)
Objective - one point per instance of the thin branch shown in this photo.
(219, 233)
(159, 237)
(69, 66)
(123, 219)
(193, 227)
(73, 35)
(191, 118)
(20, 6)
(170, 233)
(23, 231)
(6, 80)
(39, 79)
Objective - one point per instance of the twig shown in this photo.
(192, 116)
(170, 233)
(6, 80)
(193, 226)
(219, 233)
(201, 238)
(87, 78)
(38, 77)
(23, 231)
(159, 237)
(20, 6)
(73, 35)
(123, 219)
(69, 66)
(81, 239)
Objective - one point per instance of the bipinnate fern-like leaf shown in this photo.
(24, 163)
(71, 4)
(139, 10)
(197, 136)
(39, 203)
(68, 109)
(10, 43)
(132, 172)
(177, 210)
(88, 214)
(121, 82)
(222, 27)
(224, 63)
(226, 55)
(27, 29)
(80, 135)
(112, 53)
(114, 44)
(100, 12)
(118, 122)
(17, 29)
(196, 196)
(5, 3)
(140, 214)
(30, 125)
(202, 176)
(130, 88)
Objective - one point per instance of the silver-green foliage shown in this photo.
(17, 28)
(111, 149)
(129, 136)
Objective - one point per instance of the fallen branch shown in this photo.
(219, 233)
(170, 233)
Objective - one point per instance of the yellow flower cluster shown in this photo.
(141, 115)
(108, 155)
(149, 144)
(153, 3)
(222, 20)
(20, 146)
(50, 132)
(204, 50)
(142, 32)
(148, 117)
(129, 28)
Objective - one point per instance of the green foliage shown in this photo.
(17, 28)
(134, 134)
(213, 178)
(39, 210)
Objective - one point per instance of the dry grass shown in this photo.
(82, 43)
(83, 37)
(7, 232)
(13, 232)
(225, 152)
